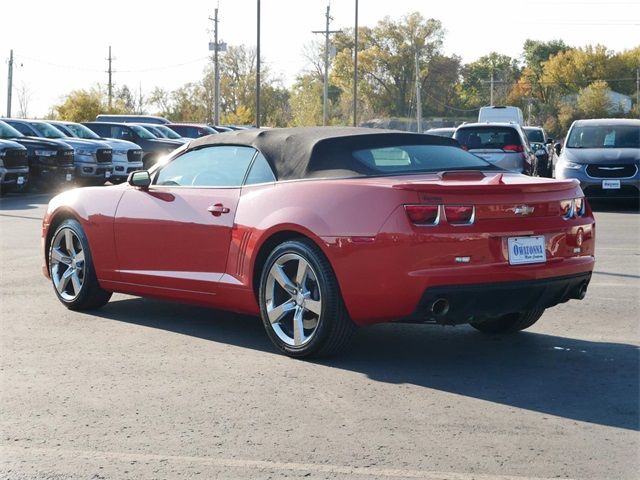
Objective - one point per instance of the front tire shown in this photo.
(300, 302)
(72, 271)
(510, 323)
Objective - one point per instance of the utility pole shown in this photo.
(418, 96)
(258, 72)
(10, 84)
(216, 70)
(355, 71)
(326, 32)
(637, 90)
(110, 87)
(491, 100)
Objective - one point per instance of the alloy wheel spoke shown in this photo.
(314, 306)
(298, 326)
(277, 313)
(68, 240)
(301, 274)
(59, 257)
(64, 280)
(281, 277)
(79, 257)
(77, 284)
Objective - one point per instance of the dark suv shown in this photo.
(543, 148)
(92, 159)
(152, 148)
(50, 161)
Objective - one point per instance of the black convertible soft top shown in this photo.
(308, 152)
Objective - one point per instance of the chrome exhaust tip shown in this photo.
(440, 307)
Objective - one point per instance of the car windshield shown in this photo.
(142, 132)
(7, 131)
(604, 136)
(80, 131)
(47, 131)
(419, 158)
(534, 135)
(489, 138)
(168, 133)
(152, 130)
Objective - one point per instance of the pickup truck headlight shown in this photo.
(46, 153)
(84, 153)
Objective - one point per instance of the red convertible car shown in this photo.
(320, 230)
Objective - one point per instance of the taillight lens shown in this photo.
(465, 147)
(566, 208)
(423, 214)
(513, 148)
(459, 214)
(579, 206)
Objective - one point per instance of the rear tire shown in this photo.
(510, 323)
(300, 302)
(72, 271)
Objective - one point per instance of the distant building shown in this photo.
(618, 102)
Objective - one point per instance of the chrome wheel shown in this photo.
(293, 300)
(67, 264)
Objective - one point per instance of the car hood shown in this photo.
(165, 142)
(7, 144)
(86, 144)
(37, 142)
(620, 156)
(118, 144)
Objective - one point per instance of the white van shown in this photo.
(501, 114)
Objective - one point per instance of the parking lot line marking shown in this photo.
(20, 216)
(58, 454)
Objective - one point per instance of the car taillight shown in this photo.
(423, 214)
(459, 214)
(513, 148)
(579, 206)
(465, 147)
(566, 208)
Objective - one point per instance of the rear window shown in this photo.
(604, 136)
(487, 138)
(418, 158)
(534, 135)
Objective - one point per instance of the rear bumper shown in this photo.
(458, 304)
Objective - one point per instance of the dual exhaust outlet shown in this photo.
(440, 306)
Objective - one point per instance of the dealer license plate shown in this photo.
(20, 180)
(526, 250)
(610, 184)
(69, 177)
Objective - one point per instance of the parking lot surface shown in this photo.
(144, 389)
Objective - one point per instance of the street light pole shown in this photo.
(216, 73)
(10, 84)
(258, 71)
(325, 96)
(355, 71)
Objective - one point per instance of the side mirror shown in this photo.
(140, 178)
(558, 148)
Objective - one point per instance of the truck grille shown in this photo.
(64, 158)
(15, 158)
(611, 171)
(134, 155)
(104, 155)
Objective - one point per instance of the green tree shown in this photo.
(81, 105)
(593, 100)
(475, 89)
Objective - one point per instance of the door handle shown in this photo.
(217, 209)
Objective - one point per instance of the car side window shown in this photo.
(260, 171)
(215, 166)
(22, 128)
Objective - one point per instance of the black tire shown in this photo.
(334, 329)
(91, 295)
(510, 323)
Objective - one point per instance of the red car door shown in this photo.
(176, 234)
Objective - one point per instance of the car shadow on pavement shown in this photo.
(23, 201)
(595, 382)
(614, 205)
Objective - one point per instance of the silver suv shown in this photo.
(505, 145)
(604, 155)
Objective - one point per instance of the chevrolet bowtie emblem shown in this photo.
(522, 210)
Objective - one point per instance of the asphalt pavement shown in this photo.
(144, 389)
